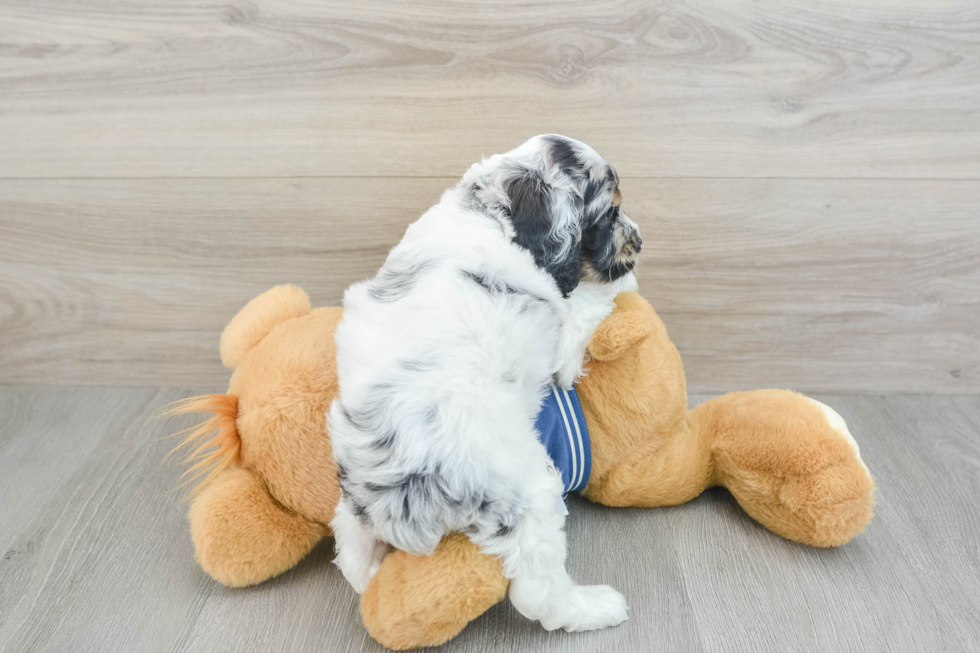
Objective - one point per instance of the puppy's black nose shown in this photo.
(637, 244)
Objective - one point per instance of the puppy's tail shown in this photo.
(213, 445)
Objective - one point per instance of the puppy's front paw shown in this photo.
(592, 607)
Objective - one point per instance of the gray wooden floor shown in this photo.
(96, 554)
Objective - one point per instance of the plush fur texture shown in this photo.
(263, 502)
(442, 359)
(255, 321)
(789, 462)
(785, 462)
(433, 612)
(245, 541)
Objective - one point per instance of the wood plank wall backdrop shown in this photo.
(806, 174)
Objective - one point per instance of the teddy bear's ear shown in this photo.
(619, 333)
(258, 318)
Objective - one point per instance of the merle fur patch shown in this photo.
(565, 157)
(599, 249)
(393, 284)
(499, 287)
(533, 217)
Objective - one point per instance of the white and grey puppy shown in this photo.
(443, 358)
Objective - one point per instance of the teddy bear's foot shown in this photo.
(792, 464)
(417, 601)
(242, 536)
(826, 508)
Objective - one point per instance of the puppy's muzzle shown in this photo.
(630, 241)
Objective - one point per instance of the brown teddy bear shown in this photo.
(270, 484)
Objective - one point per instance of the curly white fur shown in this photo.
(442, 361)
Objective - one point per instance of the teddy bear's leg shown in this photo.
(242, 536)
(654, 473)
(791, 463)
(416, 601)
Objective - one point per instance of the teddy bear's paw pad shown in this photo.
(591, 607)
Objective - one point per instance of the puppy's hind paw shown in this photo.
(360, 566)
(591, 607)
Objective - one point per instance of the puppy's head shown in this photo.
(560, 200)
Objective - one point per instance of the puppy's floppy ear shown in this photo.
(545, 226)
(619, 333)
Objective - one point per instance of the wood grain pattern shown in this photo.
(95, 555)
(835, 599)
(820, 285)
(817, 285)
(730, 88)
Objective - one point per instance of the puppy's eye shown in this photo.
(617, 198)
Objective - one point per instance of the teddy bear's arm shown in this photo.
(788, 460)
(416, 601)
(242, 536)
